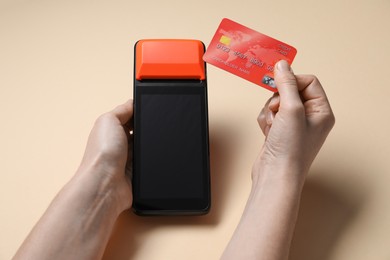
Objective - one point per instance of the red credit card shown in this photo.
(247, 53)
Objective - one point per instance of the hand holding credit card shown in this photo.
(247, 53)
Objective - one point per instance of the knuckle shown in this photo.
(313, 77)
(325, 123)
(315, 80)
(330, 120)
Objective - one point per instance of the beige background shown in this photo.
(62, 63)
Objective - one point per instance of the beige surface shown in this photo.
(62, 63)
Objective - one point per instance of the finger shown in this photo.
(273, 107)
(286, 84)
(124, 112)
(267, 114)
(261, 119)
(274, 103)
(310, 87)
(316, 101)
(313, 94)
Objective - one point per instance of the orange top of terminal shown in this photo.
(169, 59)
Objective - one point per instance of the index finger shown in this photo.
(310, 87)
(314, 96)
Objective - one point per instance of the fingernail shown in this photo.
(283, 65)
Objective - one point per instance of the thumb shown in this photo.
(286, 84)
(124, 112)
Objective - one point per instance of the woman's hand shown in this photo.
(295, 121)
